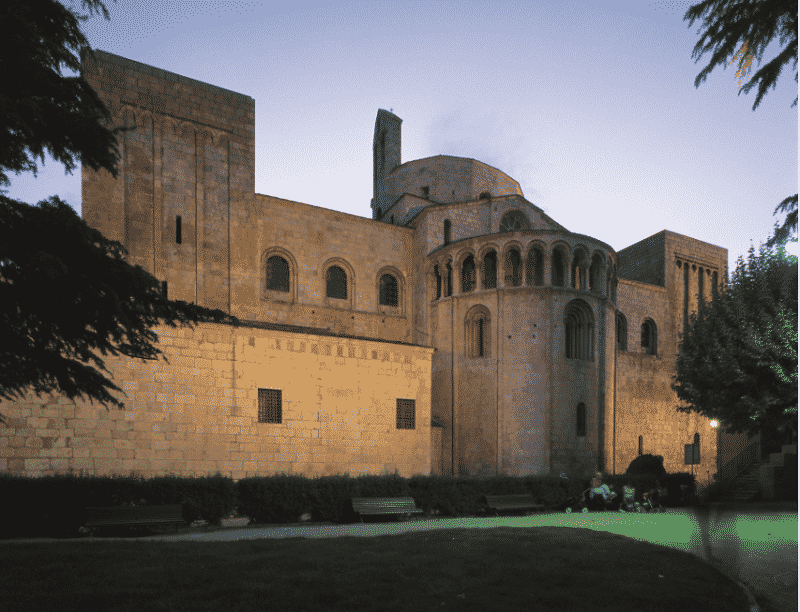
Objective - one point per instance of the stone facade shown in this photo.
(460, 330)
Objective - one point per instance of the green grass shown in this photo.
(503, 568)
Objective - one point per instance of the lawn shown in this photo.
(504, 568)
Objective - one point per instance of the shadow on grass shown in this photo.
(547, 568)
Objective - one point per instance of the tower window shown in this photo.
(580, 420)
(477, 332)
(164, 289)
(468, 275)
(641, 445)
(579, 331)
(447, 233)
(558, 269)
(490, 270)
(425, 192)
(178, 234)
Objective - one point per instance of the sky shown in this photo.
(590, 106)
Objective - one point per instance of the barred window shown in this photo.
(336, 283)
(269, 406)
(405, 413)
(277, 274)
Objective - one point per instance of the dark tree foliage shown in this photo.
(68, 298)
(39, 108)
(648, 465)
(737, 360)
(750, 25)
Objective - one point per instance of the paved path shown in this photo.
(755, 547)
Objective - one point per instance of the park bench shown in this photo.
(511, 502)
(133, 515)
(383, 505)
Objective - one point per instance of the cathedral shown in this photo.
(458, 330)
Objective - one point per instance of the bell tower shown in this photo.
(385, 158)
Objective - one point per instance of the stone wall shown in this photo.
(191, 155)
(311, 239)
(198, 414)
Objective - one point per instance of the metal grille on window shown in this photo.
(405, 413)
(269, 406)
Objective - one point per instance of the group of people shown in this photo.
(602, 497)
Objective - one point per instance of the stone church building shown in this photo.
(458, 330)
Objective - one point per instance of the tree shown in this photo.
(737, 360)
(44, 109)
(750, 25)
(68, 298)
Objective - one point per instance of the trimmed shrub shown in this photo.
(648, 465)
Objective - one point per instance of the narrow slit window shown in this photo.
(178, 232)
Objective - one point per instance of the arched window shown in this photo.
(277, 274)
(696, 445)
(490, 270)
(438, 280)
(378, 213)
(513, 221)
(534, 268)
(336, 283)
(714, 281)
(449, 273)
(388, 290)
(649, 337)
(580, 420)
(596, 274)
(477, 332)
(558, 268)
(513, 269)
(622, 332)
(578, 279)
(447, 236)
(579, 328)
(468, 275)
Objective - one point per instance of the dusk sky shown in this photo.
(591, 106)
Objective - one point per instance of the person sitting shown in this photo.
(629, 502)
(600, 495)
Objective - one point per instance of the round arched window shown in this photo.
(513, 221)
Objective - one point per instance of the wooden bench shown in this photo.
(133, 515)
(383, 505)
(511, 502)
